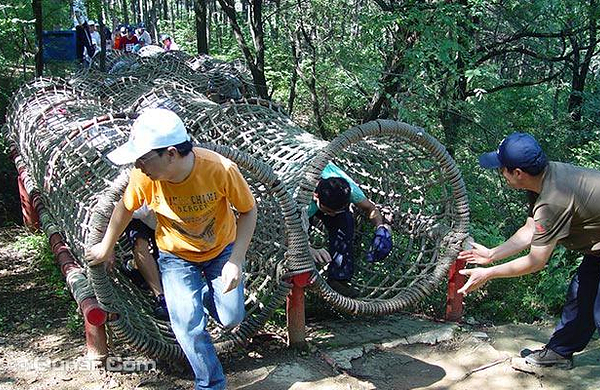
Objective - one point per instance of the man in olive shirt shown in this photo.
(565, 210)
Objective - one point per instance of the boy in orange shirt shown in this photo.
(202, 250)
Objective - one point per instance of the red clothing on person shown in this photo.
(117, 40)
(126, 43)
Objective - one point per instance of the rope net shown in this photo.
(63, 130)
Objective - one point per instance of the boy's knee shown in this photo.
(141, 243)
(232, 319)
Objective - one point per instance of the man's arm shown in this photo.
(534, 261)
(232, 270)
(119, 220)
(518, 242)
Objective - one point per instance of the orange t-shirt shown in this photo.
(194, 218)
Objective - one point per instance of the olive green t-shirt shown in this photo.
(568, 208)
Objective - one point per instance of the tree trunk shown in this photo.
(102, 38)
(258, 38)
(39, 55)
(256, 65)
(134, 11)
(581, 67)
(456, 91)
(201, 26)
(125, 11)
(311, 82)
(294, 80)
(152, 13)
(576, 98)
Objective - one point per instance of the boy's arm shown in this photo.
(232, 270)
(119, 220)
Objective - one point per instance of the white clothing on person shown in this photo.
(146, 215)
(144, 38)
(96, 39)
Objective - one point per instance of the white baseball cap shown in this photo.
(91, 23)
(154, 129)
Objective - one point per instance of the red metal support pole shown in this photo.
(94, 316)
(296, 320)
(95, 339)
(92, 312)
(30, 215)
(454, 300)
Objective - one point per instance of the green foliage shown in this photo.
(10, 208)
(42, 259)
(38, 248)
(17, 28)
(425, 60)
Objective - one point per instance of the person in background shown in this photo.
(128, 42)
(142, 35)
(95, 35)
(119, 35)
(109, 37)
(168, 43)
(84, 48)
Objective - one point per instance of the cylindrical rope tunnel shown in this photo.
(64, 133)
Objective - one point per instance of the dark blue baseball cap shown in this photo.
(518, 150)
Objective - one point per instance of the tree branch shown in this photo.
(518, 84)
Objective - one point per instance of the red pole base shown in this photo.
(92, 312)
(454, 300)
(296, 321)
(30, 215)
(95, 340)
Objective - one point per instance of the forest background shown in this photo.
(468, 71)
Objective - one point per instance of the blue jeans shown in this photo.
(193, 290)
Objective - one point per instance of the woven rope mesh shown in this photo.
(63, 130)
(419, 192)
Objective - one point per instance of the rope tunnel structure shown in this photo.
(63, 129)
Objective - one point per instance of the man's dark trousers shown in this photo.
(581, 313)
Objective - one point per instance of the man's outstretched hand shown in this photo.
(479, 254)
(477, 278)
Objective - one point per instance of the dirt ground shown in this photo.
(38, 350)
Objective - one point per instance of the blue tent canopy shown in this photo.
(59, 45)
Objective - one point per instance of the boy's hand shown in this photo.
(231, 274)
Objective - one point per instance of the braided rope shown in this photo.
(406, 171)
(64, 129)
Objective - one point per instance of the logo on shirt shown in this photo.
(204, 232)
